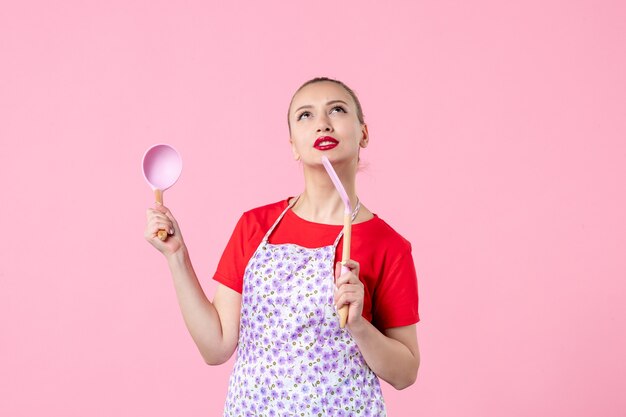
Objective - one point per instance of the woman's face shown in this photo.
(323, 118)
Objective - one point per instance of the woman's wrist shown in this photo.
(178, 258)
(358, 327)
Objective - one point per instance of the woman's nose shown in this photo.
(324, 125)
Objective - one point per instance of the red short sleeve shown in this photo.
(232, 264)
(246, 238)
(395, 300)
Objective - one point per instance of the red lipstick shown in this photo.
(325, 143)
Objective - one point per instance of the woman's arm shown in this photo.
(393, 356)
(214, 327)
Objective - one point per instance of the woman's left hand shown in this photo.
(349, 290)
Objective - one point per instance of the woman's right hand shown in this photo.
(160, 218)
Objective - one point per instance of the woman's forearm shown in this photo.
(200, 315)
(389, 358)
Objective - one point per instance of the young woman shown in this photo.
(279, 283)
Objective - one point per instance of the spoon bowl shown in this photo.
(161, 165)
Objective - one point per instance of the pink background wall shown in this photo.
(497, 148)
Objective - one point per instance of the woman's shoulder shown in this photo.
(268, 208)
(381, 233)
(266, 213)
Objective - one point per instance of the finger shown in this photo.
(171, 218)
(162, 213)
(337, 270)
(155, 226)
(353, 266)
(152, 231)
(349, 289)
(167, 213)
(150, 213)
(160, 207)
(159, 218)
(153, 214)
(348, 298)
(343, 279)
(348, 277)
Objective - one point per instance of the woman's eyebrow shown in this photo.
(308, 106)
(336, 101)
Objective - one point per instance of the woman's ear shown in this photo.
(365, 137)
(296, 155)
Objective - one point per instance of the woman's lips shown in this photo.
(325, 143)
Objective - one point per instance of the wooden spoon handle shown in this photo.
(158, 195)
(343, 310)
(345, 255)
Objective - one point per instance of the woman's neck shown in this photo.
(320, 202)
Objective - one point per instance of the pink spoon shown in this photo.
(162, 166)
(347, 230)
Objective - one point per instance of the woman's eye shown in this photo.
(337, 108)
(304, 115)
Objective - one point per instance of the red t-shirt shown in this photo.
(386, 264)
